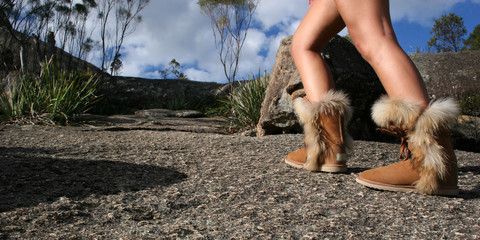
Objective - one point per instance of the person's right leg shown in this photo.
(324, 113)
(321, 23)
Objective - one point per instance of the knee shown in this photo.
(365, 48)
(300, 46)
(371, 48)
(293, 47)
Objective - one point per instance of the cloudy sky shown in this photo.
(177, 29)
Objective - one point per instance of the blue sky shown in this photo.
(177, 29)
(415, 34)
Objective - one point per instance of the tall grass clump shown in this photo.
(53, 97)
(242, 106)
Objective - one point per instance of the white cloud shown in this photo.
(199, 74)
(280, 13)
(273, 48)
(177, 29)
(171, 29)
(422, 12)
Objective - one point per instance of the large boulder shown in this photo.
(277, 115)
(450, 74)
(351, 74)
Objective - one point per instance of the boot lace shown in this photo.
(404, 150)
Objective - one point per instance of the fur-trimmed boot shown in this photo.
(428, 164)
(326, 138)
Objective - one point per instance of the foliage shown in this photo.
(179, 103)
(473, 41)
(116, 65)
(471, 105)
(65, 19)
(448, 32)
(64, 24)
(174, 71)
(55, 96)
(6, 6)
(230, 21)
(242, 106)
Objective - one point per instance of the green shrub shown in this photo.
(471, 105)
(55, 96)
(242, 106)
(180, 102)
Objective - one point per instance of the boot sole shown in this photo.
(323, 168)
(394, 188)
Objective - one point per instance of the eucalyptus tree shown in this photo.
(77, 26)
(174, 70)
(83, 39)
(65, 20)
(104, 10)
(230, 21)
(127, 16)
(31, 17)
(118, 19)
(70, 23)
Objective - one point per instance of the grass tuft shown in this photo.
(242, 106)
(53, 97)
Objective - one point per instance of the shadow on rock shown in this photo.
(26, 180)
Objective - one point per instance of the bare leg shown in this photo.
(322, 114)
(369, 25)
(320, 24)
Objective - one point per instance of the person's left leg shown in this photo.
(429, 164)
(370, 27)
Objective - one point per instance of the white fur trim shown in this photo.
(397, 112)
(333, 103)
(422, 129)
(439, 115)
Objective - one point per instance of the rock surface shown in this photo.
(159, 113)
(156, 120)
(132, 182)
(277, 115)
(450, 74)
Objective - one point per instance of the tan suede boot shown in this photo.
(326, 138)
(428, 164)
